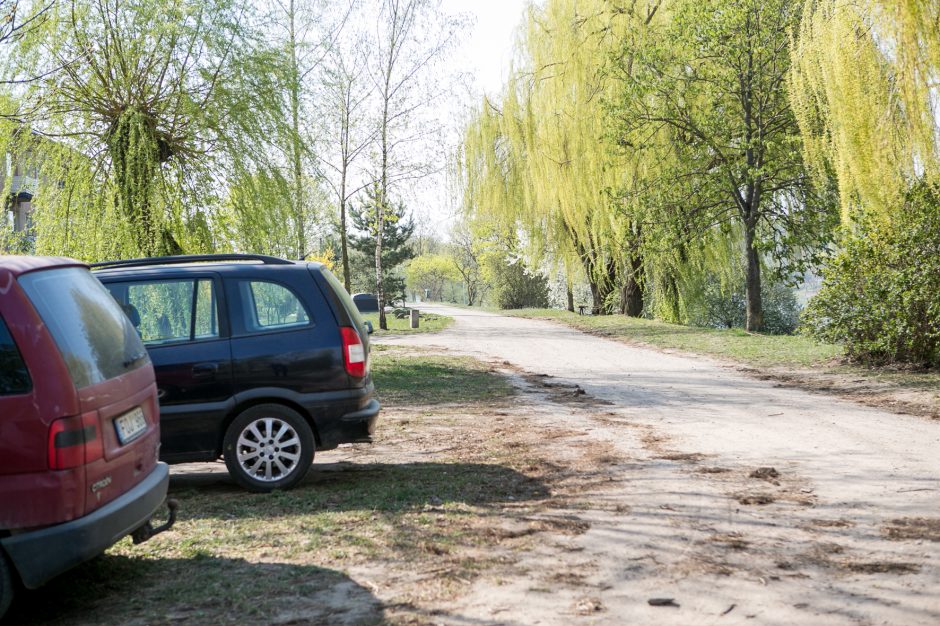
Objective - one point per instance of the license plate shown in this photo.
(130, 425)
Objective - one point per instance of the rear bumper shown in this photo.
(43, 554)
(354, 427)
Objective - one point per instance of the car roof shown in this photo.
(17, 265)
(197, 263)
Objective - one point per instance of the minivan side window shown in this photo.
(170, 311)
(14, 377)
(270, 306)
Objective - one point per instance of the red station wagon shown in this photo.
(79, 431)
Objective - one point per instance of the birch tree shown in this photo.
(410, 39)
(345, 98)
(310, 30)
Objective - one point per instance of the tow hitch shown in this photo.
(147, 531)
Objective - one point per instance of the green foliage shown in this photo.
(534, 160)
(431, 273)
(397, 228)
(135, 162)
(143, 113)
(704, 98)
(881, 293)
(862, 87)
(514, 286)
(717, 307)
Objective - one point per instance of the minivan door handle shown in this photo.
(205, 371)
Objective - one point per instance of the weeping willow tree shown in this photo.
(864, 87)
(537, 160)
(140, 110)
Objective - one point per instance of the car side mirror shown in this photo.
(369, 328)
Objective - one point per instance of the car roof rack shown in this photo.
(191, 258)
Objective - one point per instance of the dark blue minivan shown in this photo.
(259, 360)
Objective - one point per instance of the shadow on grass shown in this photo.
(115, 589)
(379, 487)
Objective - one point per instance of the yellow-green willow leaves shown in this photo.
(138, 115)
(864, 88)
(537, 159)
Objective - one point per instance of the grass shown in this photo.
(403, 378)
(427, 323)
(751, 348)
(236, 557)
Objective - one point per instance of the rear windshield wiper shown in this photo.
(134, 359)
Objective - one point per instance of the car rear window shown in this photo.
(271, 306)
(14, 377)
(344, 297)
(96, 339)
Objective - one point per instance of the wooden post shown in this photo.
(414, 318)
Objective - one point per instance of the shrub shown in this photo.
(515, 287)
(881, 294)
(716, 307)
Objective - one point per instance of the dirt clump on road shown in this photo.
(924, 528)
(755, 498)
(765, 473)
(562, 392)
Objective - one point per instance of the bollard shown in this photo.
(414, 318)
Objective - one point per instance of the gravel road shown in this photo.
(845, 530)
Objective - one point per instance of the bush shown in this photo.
(881, 294)
(717, 308)
(514, 287)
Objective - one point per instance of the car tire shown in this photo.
(267, 447)
(6, 584)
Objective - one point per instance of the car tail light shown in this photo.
(354, 353)
(74, 441)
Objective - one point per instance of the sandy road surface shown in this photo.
(848, 533)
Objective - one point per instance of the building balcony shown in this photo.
(24, 186)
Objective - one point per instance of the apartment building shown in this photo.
(19, 180)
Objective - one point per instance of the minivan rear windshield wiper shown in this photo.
(134, 359)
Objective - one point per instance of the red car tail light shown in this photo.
(74, 441)
(354, 353)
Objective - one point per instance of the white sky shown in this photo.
(484, 52)
(487, 48)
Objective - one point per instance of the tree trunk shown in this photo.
(570, 294)
(631, 293)
(380, 222)
(344, 245)
(379, 290)
(296, 147)
(754, 307)
(600, 287)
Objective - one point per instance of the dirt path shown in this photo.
(843, 530)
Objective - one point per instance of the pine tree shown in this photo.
(397, 228)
